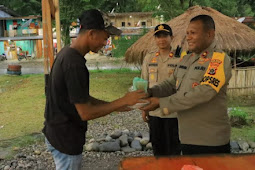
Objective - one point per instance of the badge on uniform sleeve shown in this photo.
(215, 75)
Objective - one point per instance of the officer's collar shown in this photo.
(171, 55)
(208, 50)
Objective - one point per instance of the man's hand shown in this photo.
(145, 116)
(131, 98)
(154, 104)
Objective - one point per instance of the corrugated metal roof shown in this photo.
(6, 12)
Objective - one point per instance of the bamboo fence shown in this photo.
(242, 82)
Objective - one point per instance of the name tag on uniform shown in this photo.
(171, 65)
(183, 67)
(153, 64)
(199, 68)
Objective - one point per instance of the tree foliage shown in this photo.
(23, 7)
(71, 9)
(69, 12)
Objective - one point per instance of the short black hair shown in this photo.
(207, 21)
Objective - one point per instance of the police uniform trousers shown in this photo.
(164, 136)
(199, 149)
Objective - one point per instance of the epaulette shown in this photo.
(150, 54)
(218, 50)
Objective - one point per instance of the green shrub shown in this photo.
(239, 117)
(122, 44)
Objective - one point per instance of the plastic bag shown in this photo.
(140, 84)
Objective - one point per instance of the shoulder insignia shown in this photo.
(204, 54)
(171, 55)
(203, 58)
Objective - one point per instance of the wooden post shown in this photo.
(39, 48)
(47, 40)
(235, 60)
(58, 30)
(235, 75)
(47, 36)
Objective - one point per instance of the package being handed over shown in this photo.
(140, 84)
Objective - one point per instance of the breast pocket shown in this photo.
(179, 78)
(197, 75)
(170, 71)
(153, 75)
(195, 78)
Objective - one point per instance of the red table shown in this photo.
(207, 162)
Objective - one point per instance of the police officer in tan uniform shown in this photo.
(197, 92)
(158, 66)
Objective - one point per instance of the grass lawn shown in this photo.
(22, 99)
(22, 102)
(245, 132)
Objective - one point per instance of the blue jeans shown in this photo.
(64, 161)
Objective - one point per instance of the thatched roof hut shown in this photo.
(232, 36)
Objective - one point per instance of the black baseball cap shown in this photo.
(94, 19)
(163, 28)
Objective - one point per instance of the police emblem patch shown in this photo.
(161, 27)
(212, 71)
(195, 84)
(214, 64)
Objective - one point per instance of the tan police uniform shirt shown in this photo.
(156, 68)
(201, 101)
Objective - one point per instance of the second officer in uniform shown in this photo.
(158, 66)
